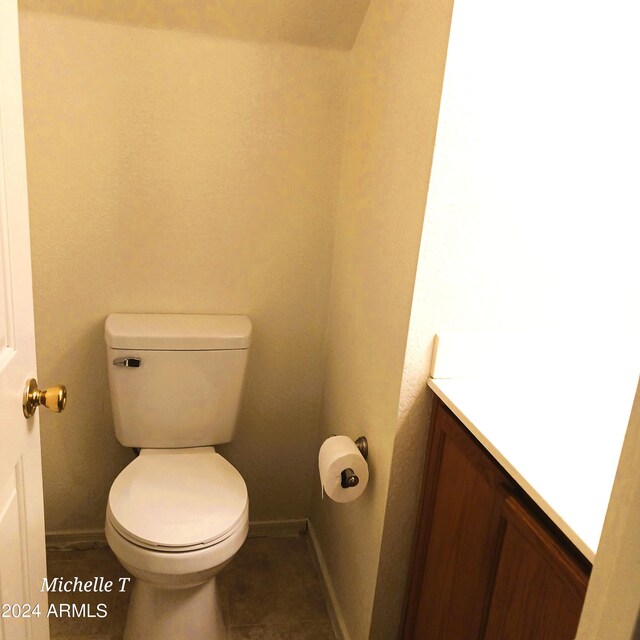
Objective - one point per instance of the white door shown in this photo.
(22, 550)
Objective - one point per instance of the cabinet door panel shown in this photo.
(539, 588)
(463, 503)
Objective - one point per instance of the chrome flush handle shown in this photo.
(127, 361)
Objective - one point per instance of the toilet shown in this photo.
(178, 513)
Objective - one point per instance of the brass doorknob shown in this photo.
(54, 398)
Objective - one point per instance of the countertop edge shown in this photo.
(503, 461)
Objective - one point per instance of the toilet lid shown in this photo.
(177, 498)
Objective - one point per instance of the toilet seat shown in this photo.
(177, 500)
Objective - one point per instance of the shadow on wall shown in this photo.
(70, 442)
(398, 537)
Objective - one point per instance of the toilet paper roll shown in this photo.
(338, 453)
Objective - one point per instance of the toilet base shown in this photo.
(175, 614)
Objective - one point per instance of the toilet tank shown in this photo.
(176, 380)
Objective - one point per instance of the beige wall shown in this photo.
(176, 172)
(612, 606)
(396, 75)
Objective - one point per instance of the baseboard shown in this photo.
(76, 540)
(335, 612)
(277, 528)
(95, 538)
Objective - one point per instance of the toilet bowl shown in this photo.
(175, 519)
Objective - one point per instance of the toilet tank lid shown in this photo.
(180, 332)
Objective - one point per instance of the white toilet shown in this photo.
(178, 513)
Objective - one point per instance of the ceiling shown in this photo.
(330, 24)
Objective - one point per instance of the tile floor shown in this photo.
(271, 591)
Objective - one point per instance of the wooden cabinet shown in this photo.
(488, 564)
(539, 587)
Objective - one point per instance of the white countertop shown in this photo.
(559, 437)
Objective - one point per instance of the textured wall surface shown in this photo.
(394, 95)
(176, 172)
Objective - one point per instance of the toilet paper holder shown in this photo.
(363, 446)
(348, 477)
